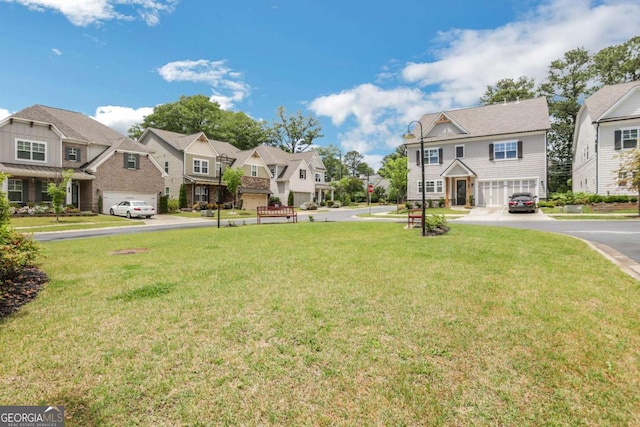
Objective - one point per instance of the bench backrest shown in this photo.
(275, 209)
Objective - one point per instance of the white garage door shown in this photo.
(110, 198)
(496, 193)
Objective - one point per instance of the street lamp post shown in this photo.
(223, 159)
(410, 136)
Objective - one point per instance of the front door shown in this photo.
(461, 193)
(75, 195)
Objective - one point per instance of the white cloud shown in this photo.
(374, 117)
(56, 51)
(4, 113)
(121, 118)
(86, 12)
(227, 85)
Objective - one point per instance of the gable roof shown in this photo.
(73, 126)
(606, 98)
(179, 141)
(530, 115)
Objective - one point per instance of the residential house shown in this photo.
(607, 125)
(480, 155)
(199, 163)
(302, 174)
(38, 143)
(255, 188)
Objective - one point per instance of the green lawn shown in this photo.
(33, 224)
(328, 324)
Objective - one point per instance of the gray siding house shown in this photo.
(38, 143)
(607, 125)
(480, 155)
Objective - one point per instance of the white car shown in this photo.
(133, 208)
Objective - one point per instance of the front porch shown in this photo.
(459, 181)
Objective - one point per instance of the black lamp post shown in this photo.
(409, 136)
(223, 159)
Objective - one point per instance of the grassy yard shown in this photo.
(328, 324)
(34, 224)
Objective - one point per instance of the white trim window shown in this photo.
(14, 191)
(202, 193)
(272, 169)
(303, 174)
(630, 138)
(200, 166)
(431, 156)
(72, 154)
(254, 170)
(434, 186)
(505, 150)
(318, 177)
(131, 161)
(459, 151)
(31, 150)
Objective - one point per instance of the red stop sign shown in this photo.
(370, 188)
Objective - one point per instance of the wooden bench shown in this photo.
(276, 212)
(413, 216)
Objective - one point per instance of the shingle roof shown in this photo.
(74, 126)
(529, 115)
(606, 97)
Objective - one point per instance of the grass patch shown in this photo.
(37, 224)
(329, 324)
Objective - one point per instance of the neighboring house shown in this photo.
(255, 188)
(38, 143)
(607, 125)
(199, 163)
(487, 153)
(302, 174)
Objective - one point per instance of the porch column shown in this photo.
(68, 198)
(447, 191)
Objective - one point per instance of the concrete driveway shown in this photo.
(501, 213)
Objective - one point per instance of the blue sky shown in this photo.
(364, 69)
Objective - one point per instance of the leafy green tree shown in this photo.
(193, 114)
(565, 87)
(629, 172)
(331, 157)
(58, 192)
(396, 172)
(619, 63)
(401, 151)
(509, 90)
(290, 199)
(294, 133)
(353, 161)
(233, 178)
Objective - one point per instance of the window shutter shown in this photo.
(124, 156)
(137, 161)
(79, 155)
(617, 136)
(418, 157)
(38, 190)
(440, 155)
(25, 190)
(66, 153)
(490, 151)
(519, 149)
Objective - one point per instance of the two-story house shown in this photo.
(480, 155)
(302, 174)
(38, 143)
(198, 163)
(607, 125)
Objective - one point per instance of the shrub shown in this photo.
(183, 197)
(441, 202)
(290, 198)
(435, 222)
(546, 204)
(17, 251)
(330, 203)
(173, 205)
(163, 204)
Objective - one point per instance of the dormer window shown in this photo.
(303, 174)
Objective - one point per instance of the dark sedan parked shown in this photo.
(522, 202)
